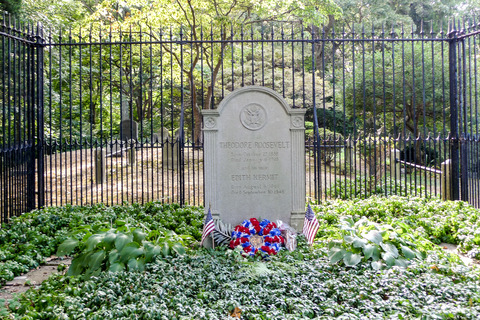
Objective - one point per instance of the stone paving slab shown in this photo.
(33, 278)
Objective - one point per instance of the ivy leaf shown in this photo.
(67, 246)
(351, 259)
(374, 236)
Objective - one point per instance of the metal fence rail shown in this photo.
(114, 116)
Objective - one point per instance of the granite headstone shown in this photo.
(254, 158)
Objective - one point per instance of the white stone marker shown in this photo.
(254, 153)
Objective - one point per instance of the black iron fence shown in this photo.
(113, 116)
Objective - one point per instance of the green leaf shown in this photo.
(113, 256)
(93, 240)
(390, 247)
(389, 258)
(121, 240)
(376, 253)
(351, 259)
(139, 235)
(136, 265)
(376, 265)
(151, 251)
(334, 243)
(368, 251)
(77, 266)
(359, 243)
(130, 251)
(67, 246)
(109, 238)
(401, 263)
(178, 248)
(407, 252)
(374, 236)
(120, 223)
(165, 250)
(96, 260)
(117, 267)
(348, 239)
(336, 255)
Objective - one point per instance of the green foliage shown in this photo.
(117, 249)
(387, 82)
(29, 239)
(210, 284)
(13, 7)
(362, 187)
(454, 222)
(381, 245)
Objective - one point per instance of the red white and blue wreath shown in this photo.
(256, 236)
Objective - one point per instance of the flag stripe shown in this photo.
(310, 225)
(208, 226)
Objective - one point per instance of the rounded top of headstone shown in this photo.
(252, 116)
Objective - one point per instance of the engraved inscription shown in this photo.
(253, 116)
(258, 166)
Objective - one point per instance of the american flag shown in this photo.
(310, 225)
(208, 226)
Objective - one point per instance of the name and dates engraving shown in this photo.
(258, 164)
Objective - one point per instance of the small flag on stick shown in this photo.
(310, 225)
(208, 226)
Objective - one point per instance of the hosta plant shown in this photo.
(379, 245)
(119, 248)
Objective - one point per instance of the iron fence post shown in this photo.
(40, 124)
(454, 142)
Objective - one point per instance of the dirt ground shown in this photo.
(70, 177)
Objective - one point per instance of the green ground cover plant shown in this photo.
(28, 240)
(210, 284)
(453, 222)
(393, 269)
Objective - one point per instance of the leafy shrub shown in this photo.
(384, 245)
(362, 187)
(439, 221)
(117, 249)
